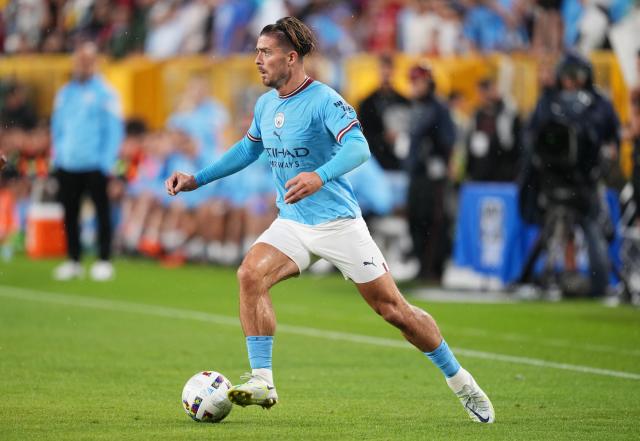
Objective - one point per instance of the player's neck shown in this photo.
(295, 81)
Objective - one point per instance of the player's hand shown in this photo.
(301, 186)
(180, 182)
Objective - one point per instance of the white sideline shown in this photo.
(175, 313)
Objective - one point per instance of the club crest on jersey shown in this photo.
(279, 120)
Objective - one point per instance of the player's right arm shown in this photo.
(243, 153)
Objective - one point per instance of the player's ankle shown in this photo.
(264, 374)
(457, 381)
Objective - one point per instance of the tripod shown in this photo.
(556, 242)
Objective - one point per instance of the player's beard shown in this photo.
(275, 81)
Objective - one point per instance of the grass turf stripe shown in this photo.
(176, 313)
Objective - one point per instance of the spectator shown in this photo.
(494, 141)
(335, 40)
(120, 40)
(450, 37)
(384, 117)
(491, 25)
(379, 114)
(230, 22)
(205, 121)
(419, 27)
(17, 112)
(26, 19)
(98, 26)
(548, 27)
(593, 26)
(379, 26)
(86, 132)
(432, 135)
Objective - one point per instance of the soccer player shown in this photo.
(312, 138)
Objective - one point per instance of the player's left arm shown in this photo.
(341, 121)
(354, 152)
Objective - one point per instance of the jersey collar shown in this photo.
(307, 81)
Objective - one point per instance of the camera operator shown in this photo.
(572, 125)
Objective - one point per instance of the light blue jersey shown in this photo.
(86, 126)
(300, 132)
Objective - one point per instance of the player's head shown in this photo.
(281, 48)
(422, 81)
(85, 58)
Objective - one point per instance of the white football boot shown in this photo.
(102, 271)
(68, 270)
(473, 399)
(255, 391)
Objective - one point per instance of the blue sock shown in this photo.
(259, 348)
(444, 359)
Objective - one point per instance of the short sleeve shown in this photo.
(254, 134)
(339, 116)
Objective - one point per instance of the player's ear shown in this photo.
(293, 57)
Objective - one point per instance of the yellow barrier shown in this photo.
(150, 89)
(43, 74)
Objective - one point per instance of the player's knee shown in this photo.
(248, 275)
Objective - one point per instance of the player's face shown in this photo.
(272, 62)
(84, 62)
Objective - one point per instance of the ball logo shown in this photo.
(279, 120)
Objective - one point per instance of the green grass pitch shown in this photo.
(89, 361)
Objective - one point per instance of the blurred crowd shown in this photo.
(215, 224)
(424, 145)
(166, 28)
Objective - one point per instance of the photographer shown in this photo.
(570, 128)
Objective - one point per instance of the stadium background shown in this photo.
(564, 370)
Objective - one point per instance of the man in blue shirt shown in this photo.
(312, 138)
(86, 131)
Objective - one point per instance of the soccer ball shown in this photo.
(204, 397)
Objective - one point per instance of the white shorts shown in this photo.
(346, 243)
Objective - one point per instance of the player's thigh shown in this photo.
(285, 236)
(349, 246)
(264, 263)
(381, 292)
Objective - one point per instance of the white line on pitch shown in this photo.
(162, 311)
